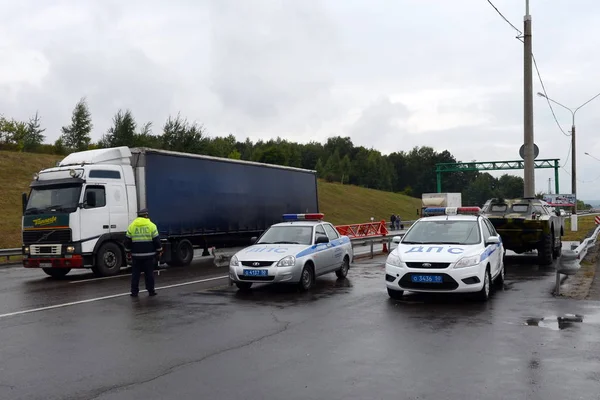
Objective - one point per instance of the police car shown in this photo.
(297, 251)
(449, 250)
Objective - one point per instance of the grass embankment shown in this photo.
(16, 172)
(342, 204)
(584, 225)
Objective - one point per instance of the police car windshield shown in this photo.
(287, 235)
(443, 232)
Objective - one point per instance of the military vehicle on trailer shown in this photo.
(527, 224)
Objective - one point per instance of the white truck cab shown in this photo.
(77, 213)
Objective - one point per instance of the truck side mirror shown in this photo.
(24, 201)
(90, 199)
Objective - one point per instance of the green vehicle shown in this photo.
(527, 224)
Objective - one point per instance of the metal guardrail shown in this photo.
(10, 252)
(570, 259)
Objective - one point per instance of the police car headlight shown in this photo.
(288, 261)
(467, 262)
(234, 262)
(394, 260)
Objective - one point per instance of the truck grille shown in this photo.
(47, 236)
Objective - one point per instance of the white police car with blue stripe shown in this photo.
(295, 251)
(449, 250)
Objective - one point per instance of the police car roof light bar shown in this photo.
(303, 217)
(433, 211)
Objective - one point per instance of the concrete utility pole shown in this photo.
(529, 176)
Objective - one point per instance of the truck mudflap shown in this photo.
(76, 261)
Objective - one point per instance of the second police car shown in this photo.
(295, 251)
(450, 249)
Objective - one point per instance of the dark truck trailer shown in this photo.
(204, 201)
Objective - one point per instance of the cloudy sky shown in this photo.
(390, 74)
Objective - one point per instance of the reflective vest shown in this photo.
(142, 238)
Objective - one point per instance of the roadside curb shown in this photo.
(584, 285)
(10, 265)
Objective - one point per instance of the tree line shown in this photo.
(411, 172)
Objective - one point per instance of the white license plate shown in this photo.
(45, 265)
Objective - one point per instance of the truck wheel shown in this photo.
(545, 250)
(57, 272)
(343, 271)
(108, 260)
(183, 253)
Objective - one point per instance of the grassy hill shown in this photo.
(342, 204)
(16, 172)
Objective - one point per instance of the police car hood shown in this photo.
(269, 252)
(434, 252)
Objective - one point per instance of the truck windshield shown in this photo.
(443, 232)
(46, 199)
(287, 235)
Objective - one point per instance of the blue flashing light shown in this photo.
(303, 217)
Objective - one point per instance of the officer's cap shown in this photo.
(143, 212)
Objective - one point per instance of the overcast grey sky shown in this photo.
(390, 74)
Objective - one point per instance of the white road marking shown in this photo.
(111, 277)
(112, 296)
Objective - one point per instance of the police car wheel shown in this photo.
(243, 285)
(395, 294)
(500, 278)
(307, 278)
(343, 271)
(484, 293)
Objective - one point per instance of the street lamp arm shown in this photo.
(586, 102)
(563, 106)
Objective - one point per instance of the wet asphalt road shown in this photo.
(343, 340)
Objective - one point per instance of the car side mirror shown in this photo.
(24, 201)
(396, 239)
(90, 199)
(492, 240)
(322, 239)
(253, 239)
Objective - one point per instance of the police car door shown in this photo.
(322, 254)
(335, 251)
(498, 253)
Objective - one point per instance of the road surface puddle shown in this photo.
(555, 323)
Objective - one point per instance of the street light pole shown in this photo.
(573, 151)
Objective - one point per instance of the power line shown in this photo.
(579, 180)
(504, 18)
(536, 68)
(546, 96)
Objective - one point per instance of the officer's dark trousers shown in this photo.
(140, 265)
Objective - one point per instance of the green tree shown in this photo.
(332, 171)
(33, 137)
(180, 135)
(122, 132)
(76, 136)
(319, 168)
(345, 168)
(235, 155)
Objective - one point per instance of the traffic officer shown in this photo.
(142, 245)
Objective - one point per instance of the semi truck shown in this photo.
(76, 214)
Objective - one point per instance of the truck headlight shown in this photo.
(234, 262)
(26, 250)
(394, 260)
(70, 249)
(288, 261)
(467, 262)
